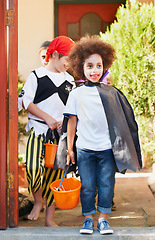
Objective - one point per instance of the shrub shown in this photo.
(133, 36)
(21, 125)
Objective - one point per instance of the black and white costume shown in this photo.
(49, 92)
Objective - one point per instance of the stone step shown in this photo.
(71, 233)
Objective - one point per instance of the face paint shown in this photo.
(93, 68)
(42, 57)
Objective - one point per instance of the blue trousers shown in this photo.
(96, 169)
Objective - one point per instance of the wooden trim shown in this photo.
(3, 116)
(55, 19)
(13, 115)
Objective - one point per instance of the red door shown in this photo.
(75, 20)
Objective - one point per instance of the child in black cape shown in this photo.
(107, 133)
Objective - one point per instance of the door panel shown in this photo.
(75, 20)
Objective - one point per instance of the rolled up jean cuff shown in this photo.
(103, 210)
(89, 213)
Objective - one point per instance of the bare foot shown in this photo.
(50, 224)
(34, 214)
(49, 220)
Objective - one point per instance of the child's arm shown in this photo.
(51, 122)
(71, 130)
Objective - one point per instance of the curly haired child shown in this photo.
(107, 133)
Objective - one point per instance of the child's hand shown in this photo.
(51, 122)
(70, 158)
(59, 126)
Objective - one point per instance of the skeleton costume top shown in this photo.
(49, 92)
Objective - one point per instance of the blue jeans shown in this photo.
(96, 168)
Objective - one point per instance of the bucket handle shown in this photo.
(49, 136)
(63, 177)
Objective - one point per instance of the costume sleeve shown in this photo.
(129, 114)
(60, 160)
(71, 105)
(28, 92)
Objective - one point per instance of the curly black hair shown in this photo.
(87, 46)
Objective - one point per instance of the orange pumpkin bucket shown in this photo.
(50, 154)
(68, 196)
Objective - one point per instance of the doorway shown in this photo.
(78, 19)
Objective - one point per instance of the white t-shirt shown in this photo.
(52, 104)
(92, 127)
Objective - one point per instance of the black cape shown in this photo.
(123, 131)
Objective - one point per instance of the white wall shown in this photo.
(35, 25)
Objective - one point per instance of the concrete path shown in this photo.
(66, 233)
(134, 218)
(135, 206)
